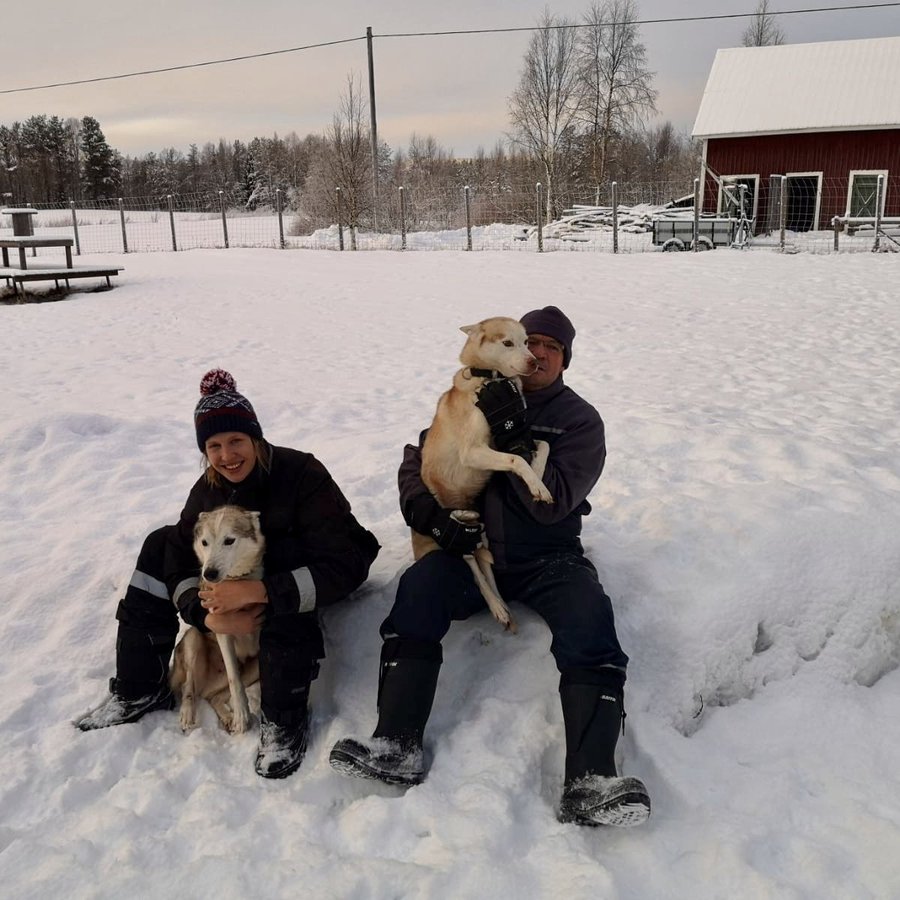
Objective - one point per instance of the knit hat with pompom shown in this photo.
(222, 408)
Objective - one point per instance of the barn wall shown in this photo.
(835, 154)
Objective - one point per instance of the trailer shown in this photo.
(673, 234)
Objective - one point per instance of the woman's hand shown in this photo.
(230, 596)
(239, 622)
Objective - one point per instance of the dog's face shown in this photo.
(498, 343)
(228, 543)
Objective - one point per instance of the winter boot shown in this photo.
(594, 793)
(142, 683)
(394, 753)
(124, 705)
(285, 674)
(282, 745)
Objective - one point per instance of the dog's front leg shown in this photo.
(488, 460)
(240, 707)
(539, 460)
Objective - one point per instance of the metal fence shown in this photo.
(749, 212)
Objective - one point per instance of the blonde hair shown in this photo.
(263, 458)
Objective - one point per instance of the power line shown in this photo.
(750, 15)
(217, 62)
(211, 62)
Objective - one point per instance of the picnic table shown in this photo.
(23, 242)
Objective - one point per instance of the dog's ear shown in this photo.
(468, 329)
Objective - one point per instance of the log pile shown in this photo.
(580, 222)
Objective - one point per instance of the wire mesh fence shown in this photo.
(790, 213)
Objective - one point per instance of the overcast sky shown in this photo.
(453, 87)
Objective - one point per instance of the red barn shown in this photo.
(825, 115)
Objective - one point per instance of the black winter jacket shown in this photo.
(316, 551)
(518, 529)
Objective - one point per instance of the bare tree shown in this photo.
(617, 86)
(544, 107)
(763, 30)
(344, 160)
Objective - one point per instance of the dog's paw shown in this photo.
(240, 722)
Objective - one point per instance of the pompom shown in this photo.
(216, 380)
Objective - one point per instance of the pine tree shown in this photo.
(99, 163)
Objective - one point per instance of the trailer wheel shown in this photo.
(672, 245)
(704, 243)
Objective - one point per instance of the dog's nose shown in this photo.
(211, 574)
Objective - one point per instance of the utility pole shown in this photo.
(374, 127)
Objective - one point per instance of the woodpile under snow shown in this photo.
(579, 222)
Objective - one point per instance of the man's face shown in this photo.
(549, 355)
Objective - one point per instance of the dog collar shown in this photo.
(493, 374)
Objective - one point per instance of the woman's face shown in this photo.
(231, 454)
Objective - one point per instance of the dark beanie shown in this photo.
(222, 408)
(554, 323)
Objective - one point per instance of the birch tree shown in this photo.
(544, 107)
(617, 86)
(763, 30)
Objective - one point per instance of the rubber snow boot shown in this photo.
(282, 745)
(126, 704)
(594, 792)
(285, 676)
(394, 754)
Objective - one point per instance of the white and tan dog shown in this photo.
(218, 667)
(457, 457)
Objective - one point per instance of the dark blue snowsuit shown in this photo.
(539, 558)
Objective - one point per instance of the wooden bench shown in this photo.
(18, 277)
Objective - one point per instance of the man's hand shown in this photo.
(229, 596)
(503, 407)
(452, 534)
(239, 622)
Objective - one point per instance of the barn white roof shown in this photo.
(833, 86)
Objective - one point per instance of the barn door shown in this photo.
(803, 198)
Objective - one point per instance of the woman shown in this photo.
(316, 554)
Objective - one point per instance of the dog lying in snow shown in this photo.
(218, 667)
(457, 458)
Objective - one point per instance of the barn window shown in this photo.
(862, 193)
(730, 195)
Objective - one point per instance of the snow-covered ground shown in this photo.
(746, 527)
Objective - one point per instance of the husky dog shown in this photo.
(457, 458)
(218, 667)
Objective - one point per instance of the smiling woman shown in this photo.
(315, 553)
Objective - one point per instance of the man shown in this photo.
(539, 561)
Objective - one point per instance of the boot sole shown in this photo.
(349, 765)
(625, 810)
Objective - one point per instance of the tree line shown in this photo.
(579, 119)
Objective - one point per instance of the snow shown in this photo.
(823, 86)
(746, 528)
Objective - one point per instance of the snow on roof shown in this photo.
(832, 86)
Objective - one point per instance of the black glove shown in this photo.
(428, 517)
(504, 408)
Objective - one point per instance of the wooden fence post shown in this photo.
(695, 246)
(172, 219)
(615, 212)
(122, 218)
(468, 220)
(339, 218)
(75, 226)
(279, 205)
(879, 193)
(539, 212)
(224, 220)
